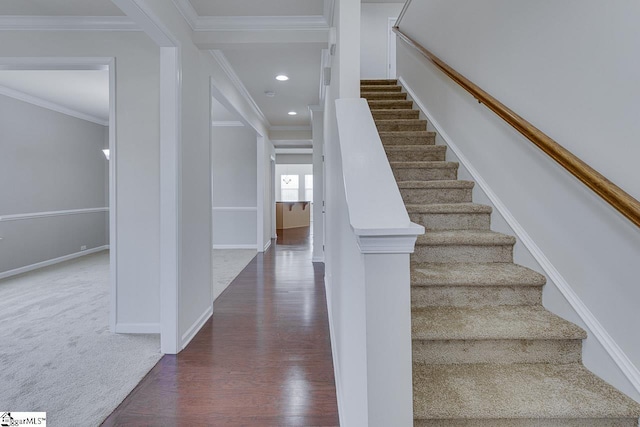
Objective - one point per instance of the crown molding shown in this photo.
(290, 128)
(235, 80)
(261, 23)
(188, 12)
(227, 123)
(21, 96)
(68, 23)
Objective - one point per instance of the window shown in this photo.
(289, 188)
(308, 188)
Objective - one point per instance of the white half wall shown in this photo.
(589, 251)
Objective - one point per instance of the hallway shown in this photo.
(263, 359)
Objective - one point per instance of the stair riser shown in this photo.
(474, 296)
(395, 114)
(390, 105)
(381, 88)
(399, 126)
(384, 95)
(452, 221)
(424, 174)
(408, 140)
(377, 82)
(524, 422)
(437, 154)
(496, 351)
(416, 196)
(462, 253)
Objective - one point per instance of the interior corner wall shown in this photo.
(584, 102)
(137, 117)
(50, 162)
(233, 160)
(374, 31)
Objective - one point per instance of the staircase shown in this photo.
(485, 351)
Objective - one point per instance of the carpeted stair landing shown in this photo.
(485, 351)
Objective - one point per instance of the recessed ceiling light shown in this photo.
(282, 78)
(292, 113)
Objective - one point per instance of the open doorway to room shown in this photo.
(294, 195)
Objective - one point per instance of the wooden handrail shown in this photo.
(611, 193)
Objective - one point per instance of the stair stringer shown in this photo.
(601, 354)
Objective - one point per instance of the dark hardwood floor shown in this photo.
(264, 359)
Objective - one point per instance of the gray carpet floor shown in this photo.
(57, 353)
(227, 264)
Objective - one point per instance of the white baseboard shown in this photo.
(138, 328)
(234, 246)
(629, 370)
(47, 263)
(195, 328)
(332, 336)
(317, 259)
(267, 245)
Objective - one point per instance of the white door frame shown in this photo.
(391, 48)
(89, 63)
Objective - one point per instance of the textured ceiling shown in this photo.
(59, 8)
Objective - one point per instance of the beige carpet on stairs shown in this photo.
(485, 351)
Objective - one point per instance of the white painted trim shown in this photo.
(388, 244)
(261, 142)
(266, 246)
(290, 128)
(235, 208)
(261, 23)
(137, 328)
(235, 80)
(188, 12)
(36, 215)
(113, 199)
(144, 17)
(329, 7)
(47, 263)
(227, 123)
(67, 23)
(197, 325)
(243, 246)
(34, 100)
(334, 354)
(629, 370)
(317, 259)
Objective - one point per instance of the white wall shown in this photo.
(294, 159)
(578, 83)
(138, 196)
(233, 162)
(374, 30)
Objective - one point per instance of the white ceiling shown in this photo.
(257, 67)
(84, 91)
(258, 7)
(59, 8)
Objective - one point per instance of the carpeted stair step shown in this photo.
(474, 285)
(416, 153)
(378, 104)
(463, 246)
(401, 125)
(425, 192)
(370, 82)
(408, 138)
(451, 216)
(427, 171)
(395, 114)
(383, 95)
(499, 334)
(380, 88)
(517, 395)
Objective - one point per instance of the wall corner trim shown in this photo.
(628, 369)
(197, 325)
